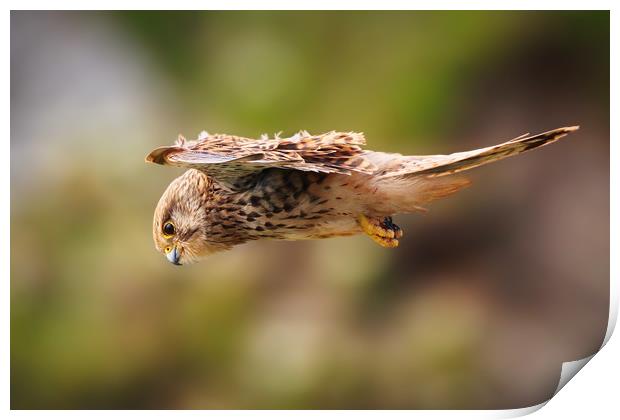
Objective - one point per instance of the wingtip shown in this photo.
(157, 156)
(564, 131)
(559, 133)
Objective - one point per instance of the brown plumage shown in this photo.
(303, 187)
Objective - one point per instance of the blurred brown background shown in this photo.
(487, 295)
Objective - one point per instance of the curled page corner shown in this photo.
(570, 369)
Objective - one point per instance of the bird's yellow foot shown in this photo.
(381, 230)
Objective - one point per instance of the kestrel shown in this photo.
(239, 189)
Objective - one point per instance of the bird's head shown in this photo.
(179, 223)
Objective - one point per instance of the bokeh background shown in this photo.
(485, 298)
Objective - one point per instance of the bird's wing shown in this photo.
(440, 165)
(227, 158)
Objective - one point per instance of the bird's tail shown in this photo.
(413, 181)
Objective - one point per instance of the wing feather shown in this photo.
(227, 158)
(442, 165)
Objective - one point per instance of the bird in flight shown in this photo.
(306, 186)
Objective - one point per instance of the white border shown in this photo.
(311, 5)
(5, 219)
(595, 391)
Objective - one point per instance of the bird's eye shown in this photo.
(168, 229)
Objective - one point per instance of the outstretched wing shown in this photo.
(440, 165)
(227, 158)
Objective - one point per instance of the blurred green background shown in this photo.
(485, 298)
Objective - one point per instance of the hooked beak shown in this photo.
(173, 255)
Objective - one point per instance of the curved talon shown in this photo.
(382, 231)
(389, 224)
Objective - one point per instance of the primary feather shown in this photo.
(441, 165)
